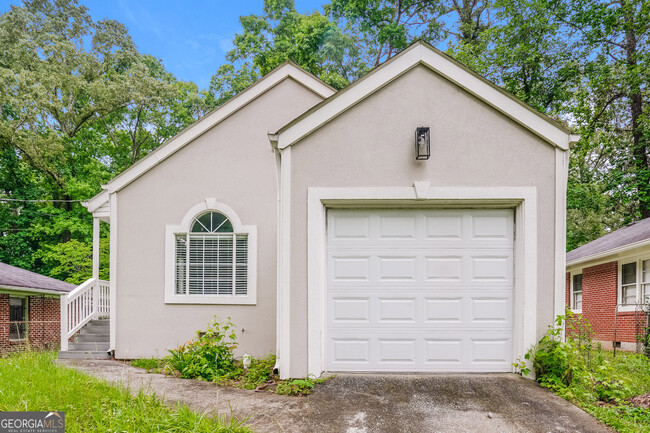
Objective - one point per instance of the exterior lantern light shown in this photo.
(422, 143)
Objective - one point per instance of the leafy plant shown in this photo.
(297, 386)
(209, 356)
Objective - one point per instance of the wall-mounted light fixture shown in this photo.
(422, 143)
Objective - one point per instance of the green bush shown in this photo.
(209, 356)
(554, 360)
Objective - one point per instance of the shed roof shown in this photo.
(13, 277)
(629, 236)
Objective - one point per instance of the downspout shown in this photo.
(273, 138)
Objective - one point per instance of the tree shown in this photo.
(388, 26)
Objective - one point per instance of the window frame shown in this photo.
(25, 300)
(572, 292)
(171, 231)
(638, 282)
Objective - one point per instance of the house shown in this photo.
(29, 308)
(608, 283)
(412, 221)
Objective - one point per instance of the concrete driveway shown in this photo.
(372, 403)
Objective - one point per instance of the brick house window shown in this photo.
(17, 318)
(576, 292)
(634, 287)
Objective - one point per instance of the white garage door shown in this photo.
(420, 290)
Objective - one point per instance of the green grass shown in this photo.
(603, 383)
(30, 381)
(152, 365)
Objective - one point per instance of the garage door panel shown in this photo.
(410, 266)
(428, 353)
(420, 290)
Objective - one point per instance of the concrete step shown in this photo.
(90, 338)
(89, 346)
(79, 354)
(94, 330)
(98, 323)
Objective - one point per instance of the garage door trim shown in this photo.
(522, 199)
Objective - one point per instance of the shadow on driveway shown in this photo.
(499, 403)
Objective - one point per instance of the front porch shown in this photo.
(86, 326)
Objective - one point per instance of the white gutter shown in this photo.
(609, 252)
(32, 290)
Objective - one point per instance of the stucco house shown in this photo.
(29, 308)
(413, 221)
(608, 283)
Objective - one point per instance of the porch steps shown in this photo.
(92, 342)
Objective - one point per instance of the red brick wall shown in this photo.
(4, 323)
(44, 324)
(599, 298)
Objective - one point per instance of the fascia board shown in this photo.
(288, 70)
(454, 72)
(610, 252)
(343, 101)
(97, 201)
(31, 290)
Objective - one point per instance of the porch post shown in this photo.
(95, 247)
(64, 321)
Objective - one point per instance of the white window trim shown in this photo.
(210, 204)
(639, 273)
(26, 335)
(571, 302)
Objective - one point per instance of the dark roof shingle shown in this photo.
(17, 277)
(630, 234)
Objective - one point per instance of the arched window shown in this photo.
(211, 259)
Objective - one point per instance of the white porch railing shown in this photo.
(89, 301)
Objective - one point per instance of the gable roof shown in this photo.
(284, 71)
(421, 53)
(12, 277)
(631, 236)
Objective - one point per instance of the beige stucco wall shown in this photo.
(371, 145)
(234, 163)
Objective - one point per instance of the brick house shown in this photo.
(30, 311)
(608, 282)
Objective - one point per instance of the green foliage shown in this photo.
(209, 356)
(259, 371)
(297, 386)
(592, 378)
(31, 381)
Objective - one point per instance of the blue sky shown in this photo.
(191, 36)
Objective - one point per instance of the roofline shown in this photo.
(33, 290)
(286, 70)
(97, 201)
(421, 53)
(609, 252)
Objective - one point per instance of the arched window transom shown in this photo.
(212, 222)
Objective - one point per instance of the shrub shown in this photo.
(554, 360)
(209, 356)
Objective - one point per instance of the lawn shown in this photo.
(30, 381)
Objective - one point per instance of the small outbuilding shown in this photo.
(608, 283)
(413, 221)
(30, 312)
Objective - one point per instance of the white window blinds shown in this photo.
(211, 262)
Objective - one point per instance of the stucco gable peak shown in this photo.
(421, 53)
(284, 71)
